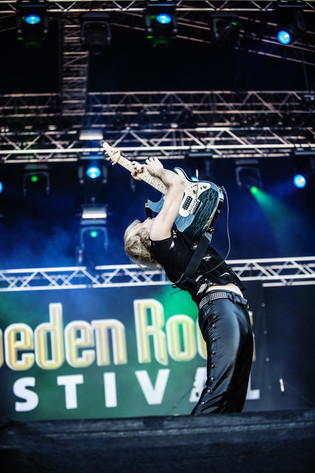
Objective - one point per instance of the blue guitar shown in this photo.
(201, 203)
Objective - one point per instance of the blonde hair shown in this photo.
(137, 246)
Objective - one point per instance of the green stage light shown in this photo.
(254, 189)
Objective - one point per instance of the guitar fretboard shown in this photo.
(144, 176)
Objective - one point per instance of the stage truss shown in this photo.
(38, 128)
(257, 32)
(228, 124)
(272, 272)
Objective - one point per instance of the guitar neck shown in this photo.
(145, 176)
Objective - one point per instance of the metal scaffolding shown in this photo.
(272, 272)
(253, 124)
(44, 127)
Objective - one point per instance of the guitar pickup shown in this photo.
(187, 203)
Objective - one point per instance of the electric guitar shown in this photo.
(200, 205)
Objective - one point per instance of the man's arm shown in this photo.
(163, 222)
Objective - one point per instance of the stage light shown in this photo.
(36, 179)
(291, 22)
(94, 211)
(32, 19)
(91, 134)
(93, 172)
(224, 27)
(284, 37)
(32, 22)
(248, 175)
(163, 18)
(299, 181)
(254, 190)
(1, 187)
(93, 241)
(93, 179)
(95, 32)
(304, 167)
(161, 22)
(200, 163)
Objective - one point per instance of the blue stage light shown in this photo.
(32, 19)
(299, 181)
(284, 37)
(1, 187)
(163, 18)
(93, 172)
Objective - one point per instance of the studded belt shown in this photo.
(214, 295)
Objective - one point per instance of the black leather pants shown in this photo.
(226, 328)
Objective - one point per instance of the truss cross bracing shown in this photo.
(291, 271)
(168, 124)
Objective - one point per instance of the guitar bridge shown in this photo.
(194, 207)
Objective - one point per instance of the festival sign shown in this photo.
(102, 353)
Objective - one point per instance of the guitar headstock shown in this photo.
(112, 153)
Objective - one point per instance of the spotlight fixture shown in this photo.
(291, 22)
(224, 28)
(93, 235)
(248, 175)
(304, 167)
(32, 22)
(161, 22)
(299, 181)
(200, 162)
(95, 32)
(94, 173)
(36, 179)
(91, 134)
(93, 212)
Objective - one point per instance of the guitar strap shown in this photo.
(148, 211)
(186, 281)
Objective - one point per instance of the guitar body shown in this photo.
(199, 208)
(200, 205)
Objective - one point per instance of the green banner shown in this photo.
(100, 353)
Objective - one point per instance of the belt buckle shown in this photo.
(237, 299)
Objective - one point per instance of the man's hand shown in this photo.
(154, 166)
(138, 169)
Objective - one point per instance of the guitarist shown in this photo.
(223, 312)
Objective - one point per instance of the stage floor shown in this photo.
(277, 441)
